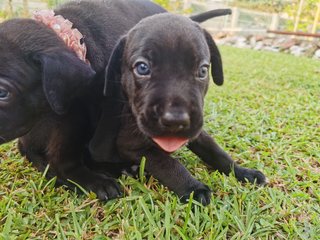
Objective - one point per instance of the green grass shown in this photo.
(266, 116)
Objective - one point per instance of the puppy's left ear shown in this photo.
(215, 58)
(113, 69)
(64, 77)
(100, 146)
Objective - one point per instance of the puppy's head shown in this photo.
(164, 67)
(38, 74)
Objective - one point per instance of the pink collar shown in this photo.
(63, 27)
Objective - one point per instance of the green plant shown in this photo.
(307, 15)
(173, 5)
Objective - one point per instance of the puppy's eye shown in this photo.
(203, 72)
(4, 94)
(142, 69)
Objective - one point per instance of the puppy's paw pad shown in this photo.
(250, 175)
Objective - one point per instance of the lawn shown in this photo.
(266, 116)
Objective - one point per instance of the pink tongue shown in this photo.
(170, 144)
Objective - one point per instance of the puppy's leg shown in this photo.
(37, 157)
(209, 151)
(175, 176)
(65, 154)
(115, 168)
(61, 143)
(34, 155)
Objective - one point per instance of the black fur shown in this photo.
(53, 102)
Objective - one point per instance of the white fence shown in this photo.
(242, 20)
(246, 21)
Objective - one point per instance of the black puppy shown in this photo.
(51, 99)
(162, 66)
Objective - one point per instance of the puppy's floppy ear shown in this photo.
(64, 76)
(100, 146)
(215, 58)
(113, 69)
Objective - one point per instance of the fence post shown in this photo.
(274, 22)
(186, 4)
(296, 22)
(234, 18)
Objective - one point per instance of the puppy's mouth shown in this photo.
(168, 138)
(170, 144)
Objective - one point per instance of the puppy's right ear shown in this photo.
(113, 69)
(102, 144)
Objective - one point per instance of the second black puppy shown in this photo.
(162, 65)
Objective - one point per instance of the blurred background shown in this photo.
(277, 25)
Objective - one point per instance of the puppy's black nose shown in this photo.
(175, 120)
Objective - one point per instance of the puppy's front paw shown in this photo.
(250, 175)
(104, 187)
(201, 193)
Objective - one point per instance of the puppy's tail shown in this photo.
(210, 14)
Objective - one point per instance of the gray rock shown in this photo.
(297, 50)
(310, 50)
(289, 45)
(259, 45)
(232, 40)
(242, 43)
(272, 48)
(317, 54)
(268, 41)
(252, 41)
